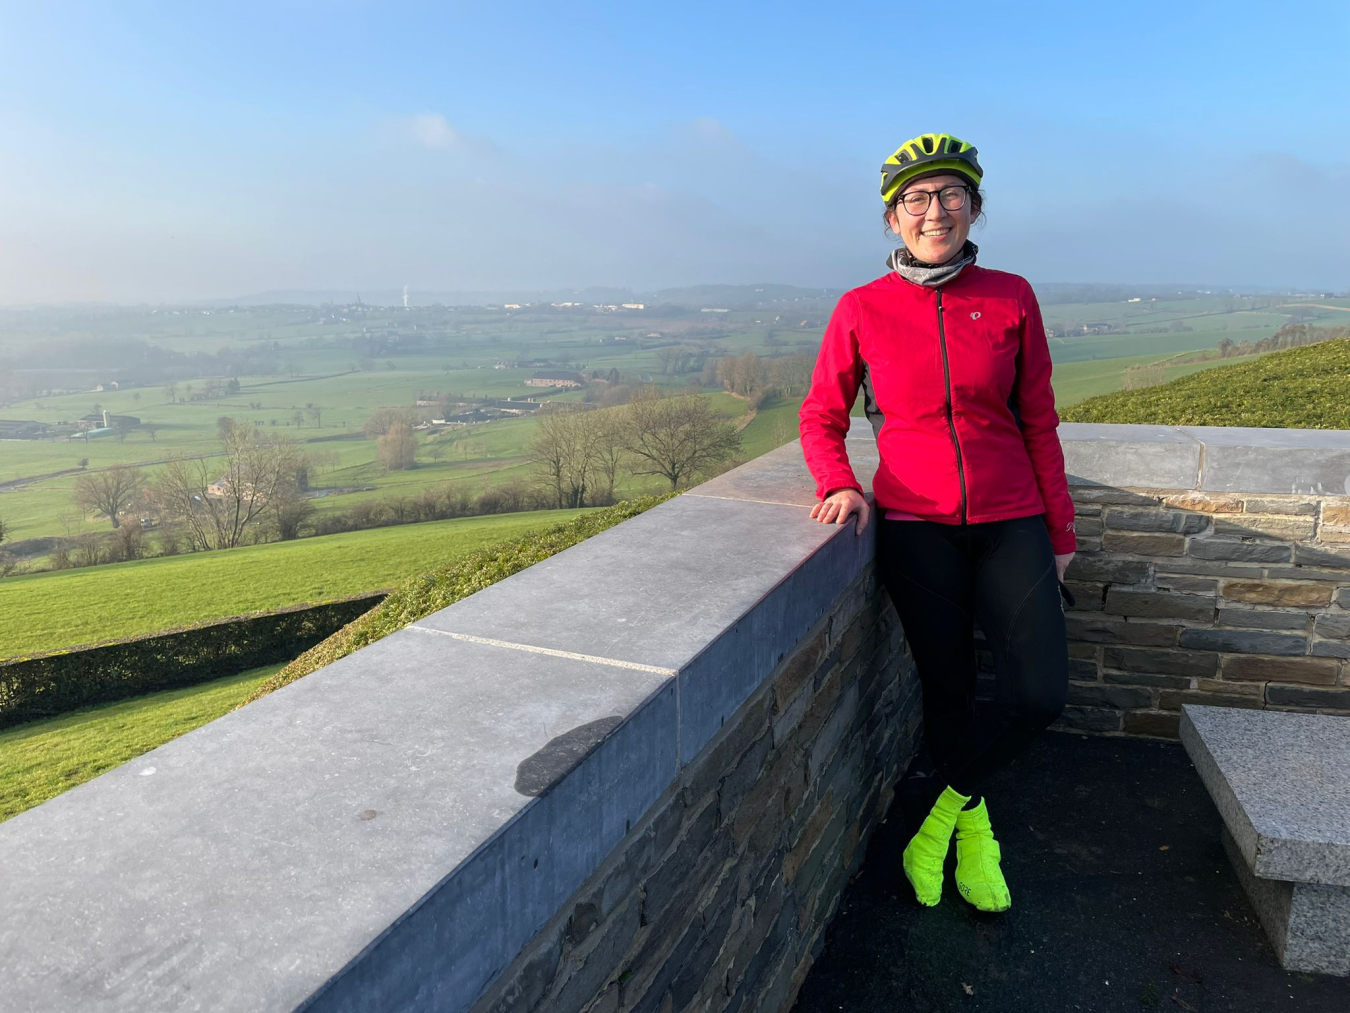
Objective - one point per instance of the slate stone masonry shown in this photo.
(719, 899)
(1229, 586)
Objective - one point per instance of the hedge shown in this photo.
(60, 681)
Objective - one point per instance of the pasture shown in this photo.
(50, 611)
(324, 360)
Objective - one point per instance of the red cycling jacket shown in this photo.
(956, 383)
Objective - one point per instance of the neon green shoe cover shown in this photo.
(927, 849)
(978, 875)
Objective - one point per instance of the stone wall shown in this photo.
(637, 775)
(640, 771)
(719, 899)
(1229, 586)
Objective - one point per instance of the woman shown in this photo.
(975, 516)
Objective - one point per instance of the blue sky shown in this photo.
(171, 151)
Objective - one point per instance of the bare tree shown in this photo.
(329, 459)
(608, 452)
(218, 503)
(127, 543)
(316, 413)
(792, 373)
(397, 448)
(291, 509)
(108, 493)
(676, 437)
(559, 449)
(382, 419)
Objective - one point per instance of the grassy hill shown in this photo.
(49, 611)
(1300, 388)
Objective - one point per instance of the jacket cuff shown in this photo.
(824, 489)
(1062, 542)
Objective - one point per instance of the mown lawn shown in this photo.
(41, 759)
(50, 611)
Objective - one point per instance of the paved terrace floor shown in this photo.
(1123, 899)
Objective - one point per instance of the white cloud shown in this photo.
(432, 131)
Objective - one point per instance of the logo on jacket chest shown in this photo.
(975, 315)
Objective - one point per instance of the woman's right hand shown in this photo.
(835, 508)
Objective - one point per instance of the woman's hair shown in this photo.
(976, 211)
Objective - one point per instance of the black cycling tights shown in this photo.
(942, 577)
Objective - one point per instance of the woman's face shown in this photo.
(937, 235)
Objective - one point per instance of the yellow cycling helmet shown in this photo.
(928, 153)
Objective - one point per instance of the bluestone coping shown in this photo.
(1293, 461)
(780, 476)
(1102, 454)
(696, 585)
(1282, 784)
(335, 823)
(1208, 458)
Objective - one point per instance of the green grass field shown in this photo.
(50, 611)
(1300, 388)
(41, 759)
(461, 347)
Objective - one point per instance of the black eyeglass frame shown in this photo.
(900, 199)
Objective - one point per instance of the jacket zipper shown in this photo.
(951, 423)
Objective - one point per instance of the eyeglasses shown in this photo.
(953, 198)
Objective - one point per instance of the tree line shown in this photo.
(579, 454)
(255, 489)
(1289, 336)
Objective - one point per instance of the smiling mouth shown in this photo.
(935, 233)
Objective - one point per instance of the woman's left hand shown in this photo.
(1062, 563)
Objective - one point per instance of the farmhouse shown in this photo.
(104, 420)
(554, 378)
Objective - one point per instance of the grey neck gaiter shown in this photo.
(905, 264)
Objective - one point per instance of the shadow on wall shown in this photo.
(1227, 599)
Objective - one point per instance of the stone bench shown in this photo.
(1281, 782)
